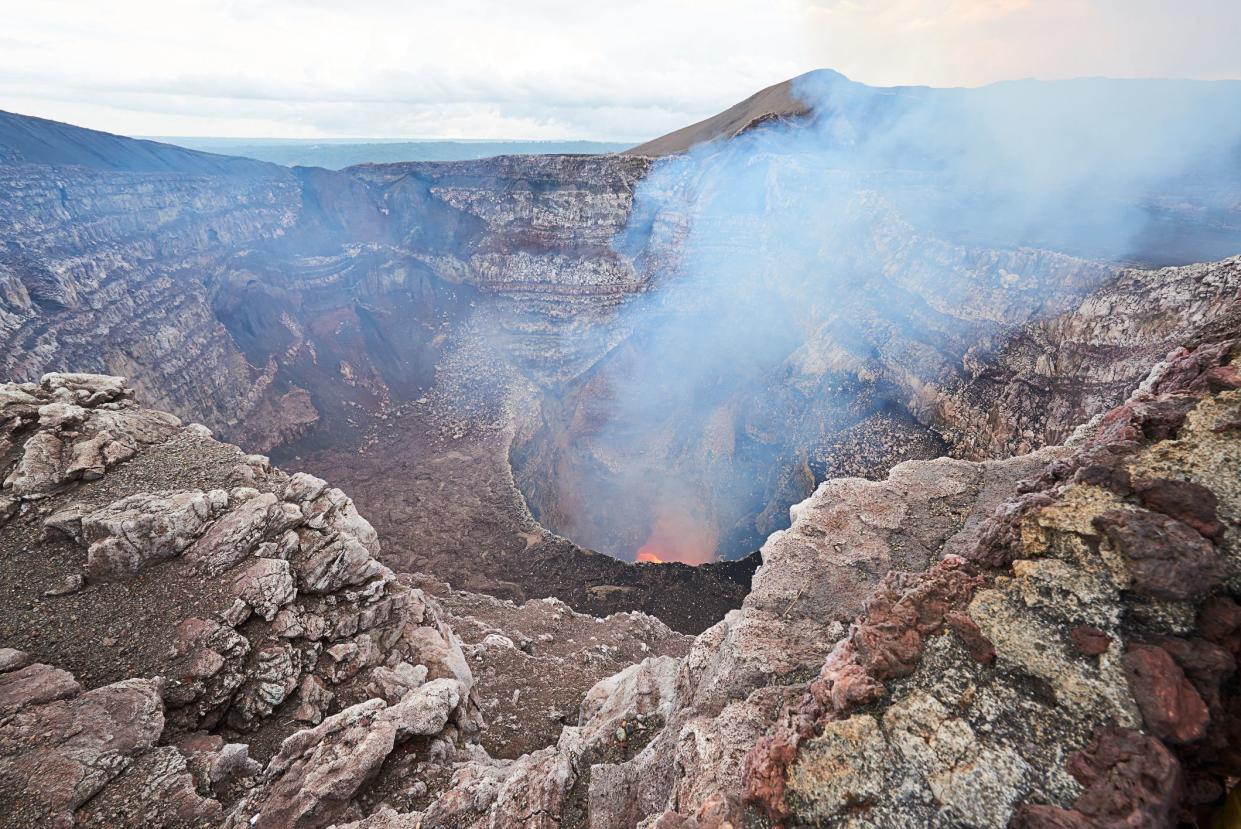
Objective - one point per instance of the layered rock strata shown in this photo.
(306, 312)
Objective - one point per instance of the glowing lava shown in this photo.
(679, 536)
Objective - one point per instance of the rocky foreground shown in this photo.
(197, 639)
(185, 621)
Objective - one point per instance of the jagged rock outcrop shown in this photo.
(250, 662)
(298, 621)
(1072, 689)
(61, 746)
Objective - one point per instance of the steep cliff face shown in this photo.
(1024, 388)
(309, 311)
(103, 271)
(883, 320)
(331, 287)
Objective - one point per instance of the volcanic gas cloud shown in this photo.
(679, 536)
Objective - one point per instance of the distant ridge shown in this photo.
(776, 101)
(337, 155)
(25, 139)
(1162, 105)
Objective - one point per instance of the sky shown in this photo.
(550, 69)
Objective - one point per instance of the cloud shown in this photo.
(546, 68)
(974, 42)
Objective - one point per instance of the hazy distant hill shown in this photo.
(335, 155)
(776, 101)
(25, 139)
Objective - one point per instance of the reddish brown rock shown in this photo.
(33, 685)
(1171, 707)
(1218, 378)
(1186, 369)
(1129, 778)
(56, 756)
(1186, 501)
(1041, 816)
(1108, 476)
(1130, 781)
(1090, 640)
(1139, 420)
(999, 542)
(1219, 621)
(1205, 664)
(1167, 558)
(887, 642)
(978, 645)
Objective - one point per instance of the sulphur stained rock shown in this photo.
(1087, 678)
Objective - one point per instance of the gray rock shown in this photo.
(266, 585)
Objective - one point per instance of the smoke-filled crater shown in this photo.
(813, 287)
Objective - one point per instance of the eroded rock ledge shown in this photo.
(1048, 640)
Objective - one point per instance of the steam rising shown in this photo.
(810, 276)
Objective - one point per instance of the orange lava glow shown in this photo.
(679, 536)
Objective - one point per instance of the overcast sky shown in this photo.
(550, 68)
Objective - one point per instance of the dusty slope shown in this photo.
(777, 101)
(28, 140)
